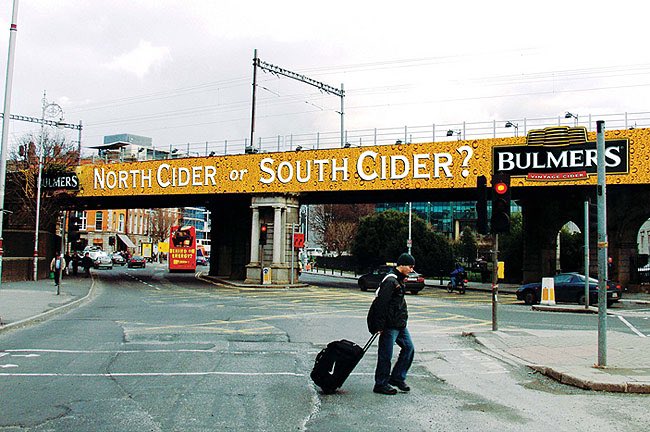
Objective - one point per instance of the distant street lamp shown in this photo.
(510, 124)
(51, 110)
(569, 115)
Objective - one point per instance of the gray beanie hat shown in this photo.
(406, 259)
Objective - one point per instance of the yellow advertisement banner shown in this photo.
(440, 165)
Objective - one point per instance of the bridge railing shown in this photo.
(381, 136)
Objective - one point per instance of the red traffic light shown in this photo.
(501, 188)
(263, 228)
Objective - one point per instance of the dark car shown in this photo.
(570, 288)
(414, 281)
(137, 261)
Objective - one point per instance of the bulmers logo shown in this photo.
(560, 153)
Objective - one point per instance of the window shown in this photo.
(83, 216)
(120, 226)
(99, 218)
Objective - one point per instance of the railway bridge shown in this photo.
(553, 171)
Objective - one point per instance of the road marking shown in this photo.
(25, 355)
(634, 329)
(5, 366)
(151, 374)
(142, 282)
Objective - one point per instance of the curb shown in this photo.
(549, 308)
(50, 313)
(585, 384)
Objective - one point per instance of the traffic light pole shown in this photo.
(495, 281)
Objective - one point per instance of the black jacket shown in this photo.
(388, 309)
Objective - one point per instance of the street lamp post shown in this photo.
(52, 110)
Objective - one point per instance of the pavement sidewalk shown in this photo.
(570, 357)
(27, 301)
(565, 355)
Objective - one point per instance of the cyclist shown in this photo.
(457, 275)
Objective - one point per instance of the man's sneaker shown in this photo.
(400, 385)
(387, 390)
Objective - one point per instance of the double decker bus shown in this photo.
(182, 248)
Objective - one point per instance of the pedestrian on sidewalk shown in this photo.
(87, 263)
(388, 315)
(68, 261)
(56, 266)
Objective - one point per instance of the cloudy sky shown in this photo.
(181, 71)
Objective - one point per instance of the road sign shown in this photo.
(298, 240)
(266, 276)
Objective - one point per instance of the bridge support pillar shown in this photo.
(279, 213)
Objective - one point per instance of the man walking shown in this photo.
(56, 266)
(389, 318)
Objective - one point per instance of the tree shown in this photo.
(467, 246)
(161, 222)
(381, 238)
(571, 251)
(336, 224)
(59, 156)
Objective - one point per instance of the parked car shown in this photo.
(414, 281)
(570, 288)
(137, 261)
(103, 260)
(118, 258)
(201, 260)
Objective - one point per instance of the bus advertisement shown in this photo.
(182, 248)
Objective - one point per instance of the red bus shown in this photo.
(182, 248)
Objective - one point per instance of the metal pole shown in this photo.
(495, 282)
(65, 213)
(79, 144)
(602, 244)
(558, 265)
(410, 242)
(586, 247)
(5, 121)
(293, 230)
(38, 188)
(342, 117)
(254, 91)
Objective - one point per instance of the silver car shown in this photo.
(103, 260)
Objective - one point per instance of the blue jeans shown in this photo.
(387, 339)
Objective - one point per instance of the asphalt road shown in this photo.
(476, 306)
(161, 352)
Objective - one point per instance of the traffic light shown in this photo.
(500, 222)
(73, 229)
(263, 233)
(481, 205)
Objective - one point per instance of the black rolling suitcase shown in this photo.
(336, 361)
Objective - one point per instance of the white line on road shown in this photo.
(634, 329)
(148, 374)
(8, 366)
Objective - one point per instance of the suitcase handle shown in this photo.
(370, 341)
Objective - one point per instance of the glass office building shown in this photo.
(448, 218)
(199, 218)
